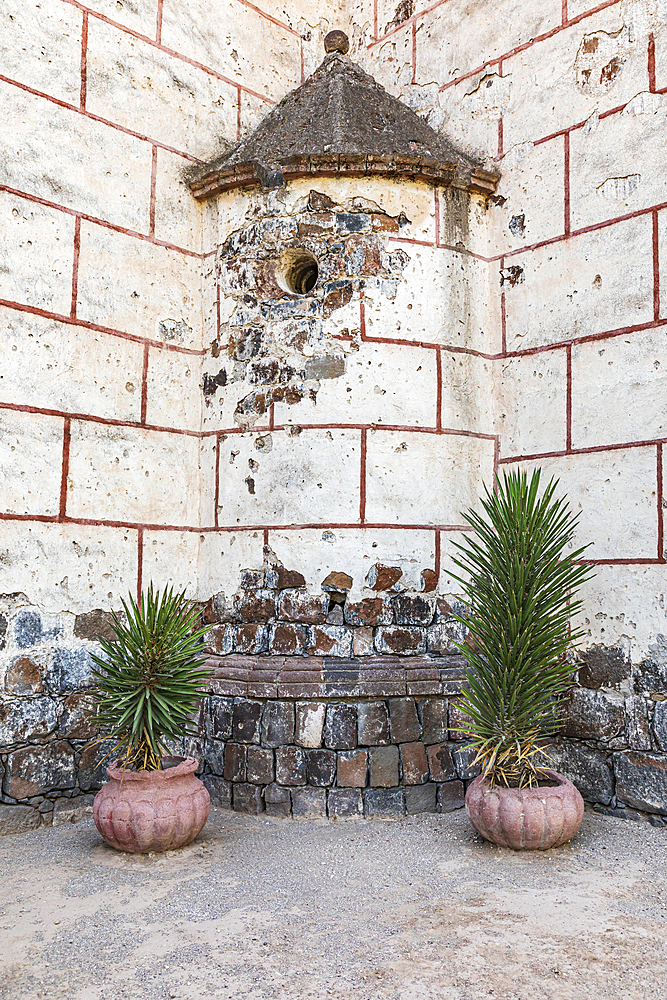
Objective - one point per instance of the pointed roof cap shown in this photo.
(340, 121)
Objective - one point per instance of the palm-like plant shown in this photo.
(149, 682)
(519, 586)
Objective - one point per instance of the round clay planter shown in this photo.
(144, 811)
(526, 819)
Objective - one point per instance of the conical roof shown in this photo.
(341, 121)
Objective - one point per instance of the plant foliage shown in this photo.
(519, 584)
(148, 684)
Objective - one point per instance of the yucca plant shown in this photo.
(520, 585)
(149, 682)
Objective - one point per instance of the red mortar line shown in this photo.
(84, 62)
(266, 536)
(67, 436)
(75, 321)
(238, 114)
(362, 476)
(416, 243)
(140, 560)
(500, 139)
(75, 266)
(589, 338)
(592, 450)
(144, 385)
(622, 562)
(503, 325)
(173, 52)
(568, 400)
(303, 68)
(107, 421)
(151, 212)
(414, 52)
(656, 269)
(268, 17)
(436, 204)
(401, 428)
(272, 417)
(375, 20)
(563, 13)
(147, 238)
(566, 184)
(496, 460)
(216, 500)
(661, 512)
(158, 22)
(437, 562)
(651, 63)
(438, 398)
(97, 118)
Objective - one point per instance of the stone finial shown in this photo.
(336, 41)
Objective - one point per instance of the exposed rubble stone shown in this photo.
(352, 768)
(405, 725)
(373, 723)
(641, 781)
(420, 799)
(401, 639)
(433, 715)
(38, 769)
(277, 723)
(309, 723)
(337, 583)
(593, 715)
(309, 803)
(451, 795)
(299, 606)
(380, 803)
(247, 799)
(440, 763)
(320, 767)
(590, 770)
(369, 611)
(604, 667)
(383, 766)
(278, 801)
(414, 763)
(95, 625)
(246, 716)
(341, 727)
(383, 577)
(290, 766)
(413, 609)
(23, 677)
(345, 803)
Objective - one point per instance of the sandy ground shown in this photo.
(414, 909)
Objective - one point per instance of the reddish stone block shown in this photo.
(260, 770)
(429, 580)
(337, 583)
(329, 640)
(38, 769)
(255, 606)
(23, 677)
(363, 642)
(290, 766)
(288, 639)
(383, 577)
(401, 639)
(251, 639)
(405, 725)
(352, 768)
(369, 611)
(440, 763)
(414, 763)
(280, 578)
(299, 606)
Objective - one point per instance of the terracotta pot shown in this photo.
(143, 811)
(526, 819)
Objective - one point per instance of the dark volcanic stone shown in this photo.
(93, 764)
(463, 757)
(383, 766)
(352, 768)
(341, 727)
(603, 667)
(214, 755)
(592, 715)
(290, 766)
(637, 727)
(94, 625)
(373, 723)
(441, 763)
(24, 719)
(433, 713)
(651, 677)
(641, 781)
(660, 724)
(309, 803)
(382, 802)
(260, 769)
(329, 640)
(246, 721)
(420, 799)
(78, 719)
(458, 722)
(251, 639)
(36, 770)
(218, 717)
(414, 763)
(236, 755)
(451, 796)
(442, 637)
(247, 799)
(413, 609)
(219, 790)
(405, 725)
(278, 801)
(278, 723)
(320, 767)
(29, 630)
(69, 670)
(588, 769)
(253, 579)
(345, 803)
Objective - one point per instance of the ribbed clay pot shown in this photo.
(144, 811)
(526, 819)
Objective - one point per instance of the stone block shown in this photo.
(340, 731)
(382, 578)
(433, 715)
(604, 667)
(413, 609)
(42, 47)
(23, 677)
(660, 724)
(255, 606)
(247, 799)
(309, 723)
(384, 803)
(345, 803)
(590, 770)
(29, 628)
(95, 625)
(246, 721)
(278, 801)
(420, 799)
(335, 615)
(214, 755)
(369, 611)
(373, 723)
(18, 819)
(641, 781)
(320, 767)
(280, 578)
(637, 725)
(220, 640)
(30, 452)
(25, 719)
(290, 766)
(363, 643)
(236, 757)
(286, 639)
(253, 579)
(69, 670)
(442, 637)
(38, 769)
(93, 763)
(383, 766)
(300, 606)
(592, 715)
(352, 769)
(451, 796)
(329, 640)
(464, 757)
(251, 639)
(218, 717)
(458, 721)
(414, 763)
(651, 677)
(278, 723)
(531, 401)
(219, 789)
(405, 725)
(72, 810)
(441, 763)
(260, 767)
(77, 721)
(309, 803)
(403, 640)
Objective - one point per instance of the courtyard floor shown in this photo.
(258, 908)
